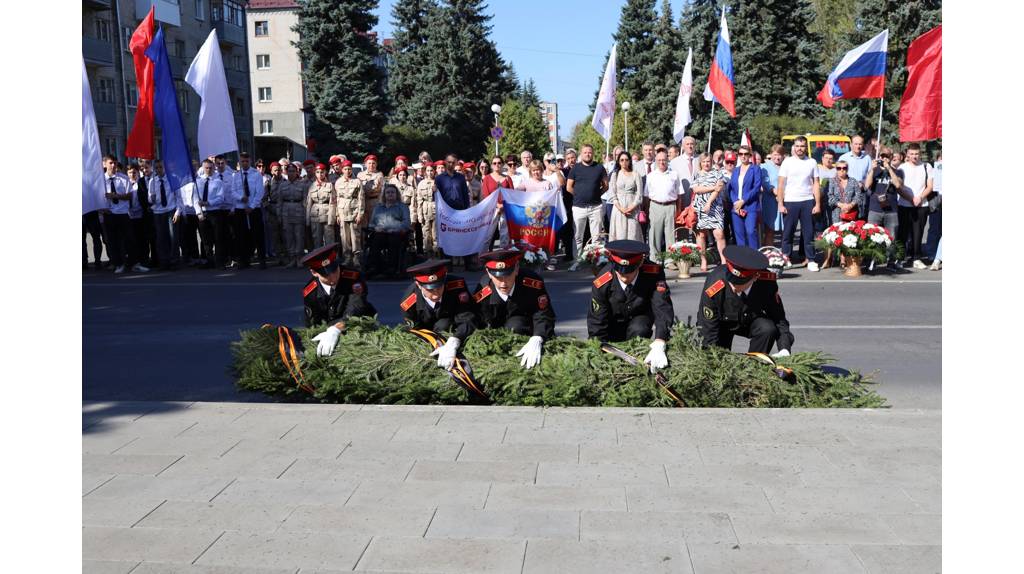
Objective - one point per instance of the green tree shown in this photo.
(833, 22)
(344, 85)
(660, 79)
(524, 129)
(583, 132)
(410, 69)
(699, 30)
(635, 40)
(528, 94)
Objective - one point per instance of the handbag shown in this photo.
(687, 217)
(641, 217)
(851, 215)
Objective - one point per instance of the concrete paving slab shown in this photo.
(585, 557)
(232, 465)
(773, 454)
(93, 480)
(483, 433)
(282, 491)
(752, 475)
(474, 471)
(522, 497)
(102, 442)
(521, 416)
(155, 568)
(361, 520)
(916, 529)
(219, 515)
(194, 445)
(604, 435)
(900, 559)
(126, 486)
(421, 494)
(811, 528)
(124, 513)
(313, 447)
(600, 474)
(774, 559)
(178, 545)
(286, 550)
(107, 567)
(150, 464)
(639, 454)
(520, 452)
(449, 556)
(845, 499)
(401, 450)
(696, 499)
(469, 523)
(576, 418)
(349, 469)
(676, 527)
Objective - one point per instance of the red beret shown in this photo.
(401, 158)
(439, 163)
(346, 163)
(321, 166)
(730, 156)
(468, 165)
(283, 163)
(335, 159)
(400, 169)
(369, 157)
(308, 162)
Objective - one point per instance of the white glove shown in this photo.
(780, 354)
(327, 340)
(531, 352)
(656, 358)
(446, 353)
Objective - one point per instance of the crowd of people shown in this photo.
(234, 216)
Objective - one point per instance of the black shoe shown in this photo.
(263, 265)
(205, 265)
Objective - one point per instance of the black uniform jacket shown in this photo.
(529, 300)
(721, 308)
(347, 299)
(454, 311)
(611, 310)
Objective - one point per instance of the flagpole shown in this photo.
(881, 104)
(711, 126)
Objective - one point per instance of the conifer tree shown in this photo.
(409, 71)
(699, 28)
(660, 78)
(635, 40)
(344, 85)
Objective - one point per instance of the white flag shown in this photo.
(92, 158)
(462, 232)
(216, 118)
(604, 110)
(683, 100)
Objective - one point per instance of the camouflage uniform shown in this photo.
(320, 212)
(274, 228)
(291, 197)
(426, 212)
(372, 185)
(351, 209)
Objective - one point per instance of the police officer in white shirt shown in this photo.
(166, 215)
(216, 202)
(247, 221)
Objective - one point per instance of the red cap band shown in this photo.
(745, 273)
(437, 275)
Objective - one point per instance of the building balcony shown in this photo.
(96, 4)
(229, 33)
(106, 113)
(237, 79)
(96, 51)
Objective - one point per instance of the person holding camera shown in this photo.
(883, 184)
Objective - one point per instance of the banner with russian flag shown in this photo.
(860, 74)
(720, 80)
(534, 217)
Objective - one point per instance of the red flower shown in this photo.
(839, 241)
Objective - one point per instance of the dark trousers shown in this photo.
(799, 212)
(139, 245)
(934, 233)
(91, 225)
(390, 242)
(519, 324)
(567, 234)
(146, 234)
(241, 245)
(762, 333)
(220, 220)
(911, 230)
(118, 229)
(166, 239)
(257, 235)
(207, 236)
(640, 326)
(188, 228)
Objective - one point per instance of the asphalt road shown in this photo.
(166, 336)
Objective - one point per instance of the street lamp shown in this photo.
(625, 110)
(497, 110)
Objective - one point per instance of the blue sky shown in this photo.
(560, 44)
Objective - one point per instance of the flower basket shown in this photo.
(594, 254)
(857, 239)
(777, 260)
(533, 256)
(684, 255)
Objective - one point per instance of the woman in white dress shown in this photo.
(626, 184)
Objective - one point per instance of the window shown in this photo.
(133, 94)
(239, 106)
(262, 61)
(236, 62)
(182, 90)
(102, 29)
(126, 35)
(111, 144)
(228, 11)
(266, 127)
(262, 28)
(199, 10)
(266, 95)
(178, 49)
(105, 91)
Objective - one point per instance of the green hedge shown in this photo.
(385, 365)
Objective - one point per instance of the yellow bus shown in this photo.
(816, 144)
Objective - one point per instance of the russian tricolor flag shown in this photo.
(720, 80)
(860, 74)
(534, 217)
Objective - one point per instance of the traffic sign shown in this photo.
(497, 132)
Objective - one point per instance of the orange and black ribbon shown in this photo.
(289, 352)
(461, 372)
(659, 377)
(784, 373)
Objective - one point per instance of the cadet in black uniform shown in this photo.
(742, 298)
(631, 299)
(332, 295)
(513, 298)
(439, 302)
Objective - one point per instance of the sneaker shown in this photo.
(812, 266)
(119, 270)
(140, 268)
(871, 265)
(918, 264)
(575, 265)
(936, 265)
(552, 264)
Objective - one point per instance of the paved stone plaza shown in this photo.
(267, 488)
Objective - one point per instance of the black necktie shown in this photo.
(245, 186)
(206, 189)
(163, 194)
(112, 189)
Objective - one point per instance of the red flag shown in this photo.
(921, 106)
(140, 140)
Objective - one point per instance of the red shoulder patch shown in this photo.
(349, 274)
(600, 281)
(482, 294)
(533, 283)
(409, 301)
(309, 288)
(715, 288)
(457, 284)
(650, 268)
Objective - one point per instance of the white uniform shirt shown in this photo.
(120, 187)
(255, 188)
(188, 199)
(661, 186)
(217, 197)
(134, 207)
(154, 195)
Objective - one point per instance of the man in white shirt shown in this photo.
(213, 210)
(685, 167)
(918, 181)
(525, 157)
(858, 161)
(247, 221)
(116, 221)
(166, 214)
(661, 194)
(799, 200)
